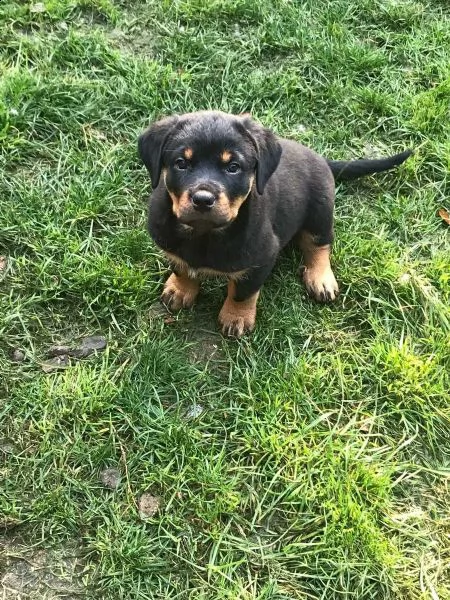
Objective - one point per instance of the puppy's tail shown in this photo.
(353, 169)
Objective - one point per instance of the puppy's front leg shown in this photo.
(238, 317)
(238, 313)
(180, 291)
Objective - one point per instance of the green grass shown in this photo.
(319, 466)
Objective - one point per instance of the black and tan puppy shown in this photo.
(228, 196)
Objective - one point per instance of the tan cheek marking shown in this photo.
(188, 153)
(318, 275)
(175, 199)
(178, 202)
(225, 156)
(237, 318)
(180, 291)
(230, 209)
(185, 203)
(222, 206)
(175, 204)
(239, 201)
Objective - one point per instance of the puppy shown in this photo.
(228, 195)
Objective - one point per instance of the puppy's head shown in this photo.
(208, 161)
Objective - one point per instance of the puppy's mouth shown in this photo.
(201, 227)
(202, 210)
(208, 221)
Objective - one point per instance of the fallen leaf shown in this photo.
(364, 426)
(91, 132)
(404, 278)
(39, 7)
(9, 523)
(157, 311)
(58, 351)
(194, 411)
(416, 513)
(445, 215)
(148, 506)
(54, 364)
(169, 320)
(7, 448)
(18, 355)
(89, 345)
(111, 478)
(3, 263)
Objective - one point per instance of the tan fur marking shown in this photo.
(188, 153)
(239, 201)
(237, 318)
(178, 202)
(225, 156)
(203, 272)
(180, 291)
(318, 275)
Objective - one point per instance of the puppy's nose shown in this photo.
(203, 200)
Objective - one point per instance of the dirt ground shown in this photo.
(28, 573)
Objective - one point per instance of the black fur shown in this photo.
(151, 146)
(267, 147)
(342, 169)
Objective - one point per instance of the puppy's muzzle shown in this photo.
(203, 200)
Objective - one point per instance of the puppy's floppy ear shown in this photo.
(268, 151)
(151, 145)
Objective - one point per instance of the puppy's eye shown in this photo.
(233, 167)
(181, 163)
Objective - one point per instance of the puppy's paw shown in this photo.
(179, 292)
(237, 318)
(321, 284)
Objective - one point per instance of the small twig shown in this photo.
(127, 477)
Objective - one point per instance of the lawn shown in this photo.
(308, 461)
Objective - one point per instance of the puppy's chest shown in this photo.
(210, 257)
(198, 269)
(228, 254)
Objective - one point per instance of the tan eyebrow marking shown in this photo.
(188, 153)
(225, 156)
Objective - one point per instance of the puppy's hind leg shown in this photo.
(315, 242)
(318, 276)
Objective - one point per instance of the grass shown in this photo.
(318, 466)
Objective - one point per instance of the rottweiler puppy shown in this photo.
(228, 195)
